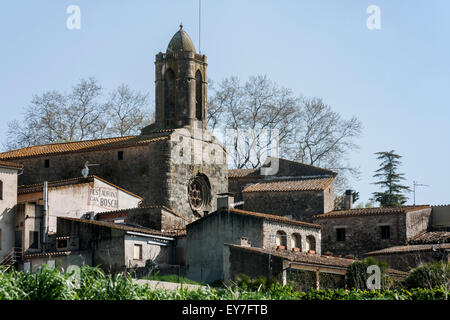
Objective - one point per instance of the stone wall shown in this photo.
(156, 218)
(297, 205)
(195, 153)
(106, 245)
(252, 264)
(236, 185)
(206, 237)
(270, 229)
(417, 222)
(362, 233)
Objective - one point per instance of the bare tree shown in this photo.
(128, 111)
(252, 109)
(81, 114)
(309, 130)
(323, 138)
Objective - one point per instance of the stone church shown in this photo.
(175, 163)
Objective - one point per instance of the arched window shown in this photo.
(296, 241)
(310, 243)
(169, 96)
(198, 96)
(281, 238)
(1, 190)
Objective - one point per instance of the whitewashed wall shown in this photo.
(7, 218)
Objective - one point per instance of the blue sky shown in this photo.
(395, 80)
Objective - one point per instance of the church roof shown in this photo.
(180, 42)
(314, 184)
(79, 146)
(286, 168)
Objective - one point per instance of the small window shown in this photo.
(281, 238)
(138, 251)
(340, 234)
(311, 244)
(385, 232)
(47, 163)
(296, 241)
(120, 155)
(34, 240)
(1, 190)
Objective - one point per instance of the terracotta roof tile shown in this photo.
(113, 225)
(47, 254)
(409, 248)
(303, 257)
(317, 184)
(273, 217)
(260, 215)
(241, 173)
(12, 165)
(81, 146)
(371, 211)
(431, 238)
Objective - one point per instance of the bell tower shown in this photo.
(180, 86)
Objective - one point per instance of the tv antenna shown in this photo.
(85, 171)
(416, 184)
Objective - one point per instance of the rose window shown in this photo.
(199, 192)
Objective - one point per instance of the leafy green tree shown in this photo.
(389, 180)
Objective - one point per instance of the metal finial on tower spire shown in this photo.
(181, 25)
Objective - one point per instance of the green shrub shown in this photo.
(357, 275)
(429, 275)
(259, 283)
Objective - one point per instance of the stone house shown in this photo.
(77, 198)
(358, 231)
(113, 247)
(296, 190)
(8, 200)
(206, 238)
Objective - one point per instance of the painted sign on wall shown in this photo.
(104, 197)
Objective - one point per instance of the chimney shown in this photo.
(243, 241)
(348, 202)
(224, 200)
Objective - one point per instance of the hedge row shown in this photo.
(93, 284)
